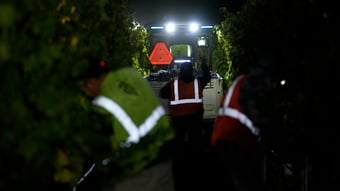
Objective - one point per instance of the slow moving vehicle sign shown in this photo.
(160, 54)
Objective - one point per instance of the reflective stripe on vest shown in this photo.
(226, 110)
(184, 101)
(135, 132)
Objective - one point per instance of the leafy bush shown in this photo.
(45, 132)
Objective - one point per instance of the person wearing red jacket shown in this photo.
(185, 95)
(236, 134)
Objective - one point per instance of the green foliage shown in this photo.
(140, 43)
(221, 56)
(235, 39)
(249, 34)
(45, 132)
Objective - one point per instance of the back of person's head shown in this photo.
(93, 68)
(92, 74)
(186, 69)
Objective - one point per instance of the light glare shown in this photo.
(283, 82)
(193, 27)
(181, 61)
(170, 27)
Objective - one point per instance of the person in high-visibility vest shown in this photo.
(185, 95)
(141, 132)
(237, 131)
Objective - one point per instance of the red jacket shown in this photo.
(186, 97)
(232, 124)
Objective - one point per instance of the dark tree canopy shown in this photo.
(45, 132)
(299, 40)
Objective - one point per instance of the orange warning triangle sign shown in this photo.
(160, 54)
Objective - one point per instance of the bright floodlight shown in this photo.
(170, 27)
(193, 27)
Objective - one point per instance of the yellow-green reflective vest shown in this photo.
(139, 121)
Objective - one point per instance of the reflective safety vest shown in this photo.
(186, 98)
(139, 121)
(231, 123)
(134, 132)
(134, 107)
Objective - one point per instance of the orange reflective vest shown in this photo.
(231, 123)
(186, 98)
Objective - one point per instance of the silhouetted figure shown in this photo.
(185, 95)
(237, 132)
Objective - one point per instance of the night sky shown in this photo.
(160, 11)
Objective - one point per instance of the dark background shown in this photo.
(203, 11)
